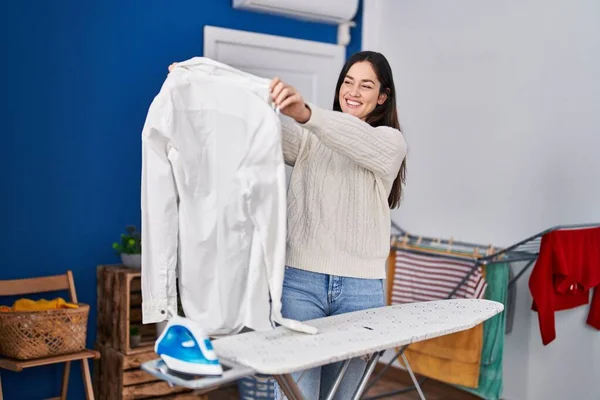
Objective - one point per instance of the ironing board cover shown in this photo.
(282, 351)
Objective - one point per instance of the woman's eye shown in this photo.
(367, 87)
(347, 82)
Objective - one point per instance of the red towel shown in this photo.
(567, 268)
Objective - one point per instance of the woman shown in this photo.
(349, 168)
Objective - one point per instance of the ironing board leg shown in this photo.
(289, 387)
(412, 376)
(362, 384)
(338, 379)
(292, 392)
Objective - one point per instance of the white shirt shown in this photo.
(213, 201)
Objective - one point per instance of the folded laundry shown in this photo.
(38, 305)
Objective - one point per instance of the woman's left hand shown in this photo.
(289, 101)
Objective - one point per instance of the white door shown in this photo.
(311, 67)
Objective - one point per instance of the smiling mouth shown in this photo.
(353, 103)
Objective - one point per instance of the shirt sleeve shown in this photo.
(542, 290)
(159, 219)
(378, 149)
(593, 318)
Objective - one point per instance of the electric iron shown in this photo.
(185, 348)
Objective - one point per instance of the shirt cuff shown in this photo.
(158, 311)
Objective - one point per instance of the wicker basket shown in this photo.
(34, 334)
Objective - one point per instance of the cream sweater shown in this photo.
(338, 213)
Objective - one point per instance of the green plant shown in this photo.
(134, 331)
(130, 243)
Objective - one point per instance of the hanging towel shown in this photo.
(451, 358)
(511, 299)
(424, 278)
(454, 359)
(490, 375)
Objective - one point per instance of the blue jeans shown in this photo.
(309, 295)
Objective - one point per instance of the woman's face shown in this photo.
(359, 93)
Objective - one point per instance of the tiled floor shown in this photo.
(394, 380)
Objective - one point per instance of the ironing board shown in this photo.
(280, 352)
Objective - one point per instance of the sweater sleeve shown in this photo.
(380, 150)
(542, 290)
(593, 318)
(291, 134)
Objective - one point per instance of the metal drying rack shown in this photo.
(526, 250)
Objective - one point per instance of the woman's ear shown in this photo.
(383, 97)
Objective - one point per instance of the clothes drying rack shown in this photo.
(526, 250)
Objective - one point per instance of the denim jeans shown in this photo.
(309, 295)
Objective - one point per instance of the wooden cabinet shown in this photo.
(120, 309)
(117, 374)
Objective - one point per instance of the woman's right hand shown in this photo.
(289, 101)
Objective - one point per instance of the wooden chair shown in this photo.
(18, 287)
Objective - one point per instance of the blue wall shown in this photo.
(78, 77)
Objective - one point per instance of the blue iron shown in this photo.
(185, 348)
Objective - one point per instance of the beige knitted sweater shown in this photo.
(338, 213)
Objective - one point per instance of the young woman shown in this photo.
(349, 169)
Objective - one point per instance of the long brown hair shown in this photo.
(384, 114)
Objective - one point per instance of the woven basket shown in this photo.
(33, 334)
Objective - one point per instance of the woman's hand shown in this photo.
(172, 66)
(289, 101)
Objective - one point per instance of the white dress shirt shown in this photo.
(213, 201)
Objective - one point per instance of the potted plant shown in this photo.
(134, 337)
(130, 248)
